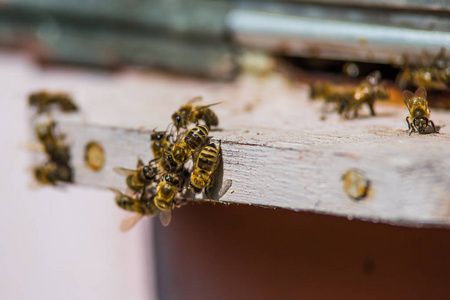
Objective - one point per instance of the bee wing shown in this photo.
(165, 217)
(195, 99)
(421, 92)
(199, 107)
(407, 97)
(123, 171)
(117, 192)
(129, 223)
(32, 146)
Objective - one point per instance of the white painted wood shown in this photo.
(276, 149)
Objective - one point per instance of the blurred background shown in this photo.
(65, 243)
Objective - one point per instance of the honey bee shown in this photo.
(320, 90)
(53, 143)
(141, 206)
(51, 173)
(367, 93)
(160, 143)
(432, 76)
(188, 114)
(166, 191)
(418, 110)
(191, 142)
(44, 100)
(141, 177)
(206, 164)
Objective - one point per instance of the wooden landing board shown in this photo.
(277, 150)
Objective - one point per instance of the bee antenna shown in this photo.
(168, 126)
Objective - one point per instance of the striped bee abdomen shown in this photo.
(196, 137)
(207, 158)
(206, 164)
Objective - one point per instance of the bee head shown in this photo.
(176, 118)
(149, 172)
(157, 135)
(174, 179)
(178, 155)
(421, 124)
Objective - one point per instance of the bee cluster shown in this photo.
(57, 167)
(167, 181)
(347, 100)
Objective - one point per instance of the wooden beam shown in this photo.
(277, 150)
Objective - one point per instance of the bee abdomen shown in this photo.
(196, 136)
(125, 203)
(207, 158)
(210, 118)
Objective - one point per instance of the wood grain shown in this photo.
(277, 150)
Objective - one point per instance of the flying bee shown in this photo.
(160, 142)
(44, 100)
(188, 114)
(141, 206)
(166, 191)
(51, 173)
(418, 110)
(141, 177)
(191, 142)
(206, 164)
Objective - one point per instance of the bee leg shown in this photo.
(409, 125)
(180, 201)
(432, 124)
(355, 112)
(370, 104)
(412, 129)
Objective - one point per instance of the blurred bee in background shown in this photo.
(347, 99)
(419, 113)
(44, 101)
(331, 94)
(205, 165)
(188, 114)
(182, 150)
(53, 142)
(57, 167)
(321, 90)
(167, 189)
(141, 177)
(51, 173)
(142, 206)
(434, 75)
(366, 93)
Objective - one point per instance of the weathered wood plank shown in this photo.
(277, 150)
(304, 173)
